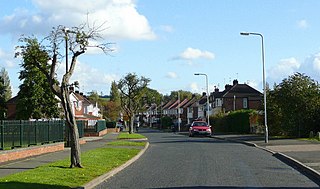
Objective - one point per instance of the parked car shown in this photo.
(199, 128)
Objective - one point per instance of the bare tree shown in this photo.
(77, 41)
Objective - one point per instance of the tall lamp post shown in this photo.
(207, 94)
(179, 119)
(264, 82)
(66, 31)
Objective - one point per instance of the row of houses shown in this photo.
(83, 108)
(233, 97)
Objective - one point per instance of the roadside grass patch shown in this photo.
(126, 143)
(130, 136)
(58, 175)
(310, 139)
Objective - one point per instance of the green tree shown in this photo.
(182, 94)
(6, 82)
(114, 93)
(295, 104)
(76, 40)
(152, 96)
(132, 90)
(3, 109)
(35, 98)
(113, 107)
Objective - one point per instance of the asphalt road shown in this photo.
(175, 161)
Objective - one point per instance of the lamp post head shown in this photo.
(244, 33)
(196, 74)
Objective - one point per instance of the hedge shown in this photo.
(234, 122)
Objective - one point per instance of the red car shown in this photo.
(199, 128)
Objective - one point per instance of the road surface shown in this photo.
(176, 161)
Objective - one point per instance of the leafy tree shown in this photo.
(112, 108)
(132, 90)
(295, 104)
(182, 94)
(77, 42)
(35, 98)
(114, 93)
(3, 109)
(152, 96)
(6, 82)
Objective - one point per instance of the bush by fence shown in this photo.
(111, 124)
(237, 121)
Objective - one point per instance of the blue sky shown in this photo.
(170, 40)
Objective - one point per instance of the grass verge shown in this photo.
(126, 143)
(126, 135)
(58, 175)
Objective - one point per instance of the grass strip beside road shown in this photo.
(58, 175)
(125, 135)
(126, 143)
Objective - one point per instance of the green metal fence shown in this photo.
(18, 133)
(100, 125)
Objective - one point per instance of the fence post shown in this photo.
(21, 132)
(2, 135)
(49, 124)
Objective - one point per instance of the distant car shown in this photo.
(199, 128)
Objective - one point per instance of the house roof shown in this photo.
(168, 104)
(13, 100)
(241, 90)
(203, 99)
(190, 102)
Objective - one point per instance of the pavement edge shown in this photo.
(95, 182)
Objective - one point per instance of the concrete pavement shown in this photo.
(303, 155)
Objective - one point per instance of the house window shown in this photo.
(218, 102)
(245, 103)
(190, 110)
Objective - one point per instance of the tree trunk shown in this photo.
(131, 124)
(72, 125)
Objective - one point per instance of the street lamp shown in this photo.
(66, 31)
(264, 82)
(207, 94)
(178, 111)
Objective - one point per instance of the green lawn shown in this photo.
(126, 143)
(125, 135)
(58, 175)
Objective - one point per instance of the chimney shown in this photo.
(235, 82)
(216, 90)
(77, 92)
(228, 87)
(71, 88)
(204, 94)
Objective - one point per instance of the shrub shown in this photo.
(236, 121)
(166, 122)
(111, 124)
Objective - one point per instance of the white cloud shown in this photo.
(192, 54)
(7, 59)
(302, 24)
(284, 68)
(121, 18)
(311, 66)
(193, 87)
(171, 75)
(167, 28)
(89, 78)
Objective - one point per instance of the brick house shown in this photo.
(82, 108)
(236, 97)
